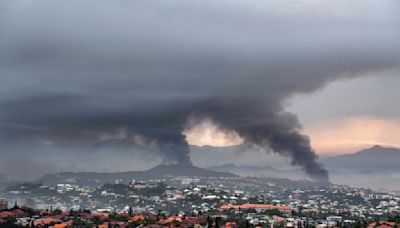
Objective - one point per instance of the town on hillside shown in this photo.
(185, 201)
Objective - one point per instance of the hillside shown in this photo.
(376, 157)
(260, 171)
(97, 178)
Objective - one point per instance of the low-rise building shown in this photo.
(258, 207)
(3, 204)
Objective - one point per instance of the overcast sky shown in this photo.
(343, 117)
(347, 116)
(81, 81)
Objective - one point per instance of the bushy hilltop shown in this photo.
(158, 172)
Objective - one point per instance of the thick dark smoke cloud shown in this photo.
(80, 74)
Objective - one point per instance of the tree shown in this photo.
(217, 221)
(16, 205)
(209, 221)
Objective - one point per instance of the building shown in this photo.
(334, 218)
(3, 204)
(258, 207)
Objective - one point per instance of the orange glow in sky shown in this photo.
(334, 136)
(349, 135)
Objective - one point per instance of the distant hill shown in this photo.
(244, 168)
(260, 171)
(97, 178)
(205, 156)
(376, 157)
(178, 170)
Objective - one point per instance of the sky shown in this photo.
(343, 117)
(105, 85)
(348, 116)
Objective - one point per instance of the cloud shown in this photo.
(207, 133)
(71, 71)
(346, 135)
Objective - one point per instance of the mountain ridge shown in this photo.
(160, 171)
(375, 157)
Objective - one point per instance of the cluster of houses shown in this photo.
(27, 217)
(237, 203)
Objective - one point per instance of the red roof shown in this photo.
(382, 224)
(279, 219)
(44, 221)
(104, 225)
(6, 214)
(230, 225)
(137, 217)
(260, 206)
(102, 215)
(64, 224)
(19, 212)
(191, 220)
